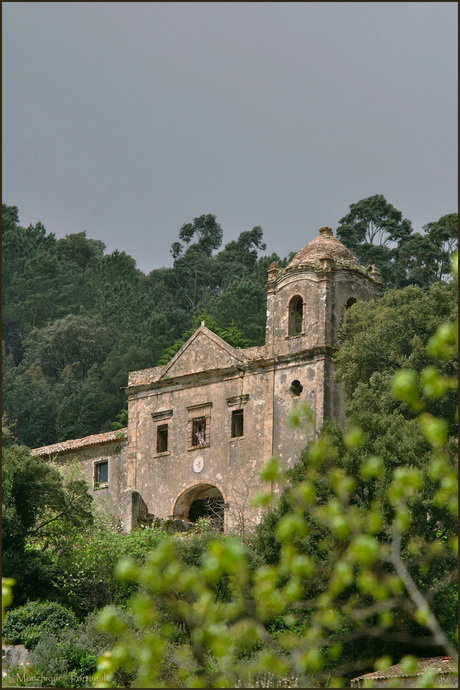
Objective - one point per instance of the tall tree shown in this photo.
(194, 273)
(31, 280)
(239, 256)
(426, 259)
(375, 230)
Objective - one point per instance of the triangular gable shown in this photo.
(203, 351)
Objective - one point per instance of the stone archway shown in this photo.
(201, 500)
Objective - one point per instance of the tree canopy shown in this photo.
(76, 320)
(377, 233)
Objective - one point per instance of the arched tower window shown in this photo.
(295, 326)
(342, 331)
(350, 302)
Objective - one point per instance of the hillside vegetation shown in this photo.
(353, 569)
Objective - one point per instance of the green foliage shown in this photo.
(7, 594)
(66, 657)
(121, 420)
(36, 495)
(390, 335)
(377, 233)
(425, 259)
(76, 320)
(26, 624)
(243, 304)
(37, 503)
(371, 229)
(85, 562)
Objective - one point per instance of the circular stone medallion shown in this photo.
(198, 464)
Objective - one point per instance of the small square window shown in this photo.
(162, 438)
(237, 423)
(101, 474)
(199, 431)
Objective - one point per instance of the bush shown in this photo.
(69, 659)
(26, 624)
(86, 560)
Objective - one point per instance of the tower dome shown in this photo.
(325, 246)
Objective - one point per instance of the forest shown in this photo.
(354, 568)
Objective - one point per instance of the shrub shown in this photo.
(26, 624)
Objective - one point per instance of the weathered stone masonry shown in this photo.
(201, 427)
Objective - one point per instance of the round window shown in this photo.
(295, 388)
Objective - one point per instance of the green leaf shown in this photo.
(404, 387)
(291, 526)
(434, 429)
(364, 550)
(383, 662)
(271, 470)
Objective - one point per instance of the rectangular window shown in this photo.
(101, 474)
(199, 431)
(199, 425)
(237, 423)
(162, 438)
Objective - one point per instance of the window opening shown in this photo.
(350, 303)
(237, 423)
(343, 330)
(295, 326)
(295, 388)
(101, 474)
(162, 438)
(199, 431)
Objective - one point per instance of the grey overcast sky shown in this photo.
(128, 120)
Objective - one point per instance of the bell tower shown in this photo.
(306, 303)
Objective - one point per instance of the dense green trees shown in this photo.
(377, 233)
(425, 259)
(76, 320)
(373, 230)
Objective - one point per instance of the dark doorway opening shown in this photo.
(208, 507)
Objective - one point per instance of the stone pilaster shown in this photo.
(132, 443)
(273, 271)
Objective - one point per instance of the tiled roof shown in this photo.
(441, 664)
(252, 353)
(143, 376)
(78, 443)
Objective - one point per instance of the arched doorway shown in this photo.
(201, 500)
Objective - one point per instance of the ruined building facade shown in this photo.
(201, 427)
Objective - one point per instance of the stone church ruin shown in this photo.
(201, 427)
